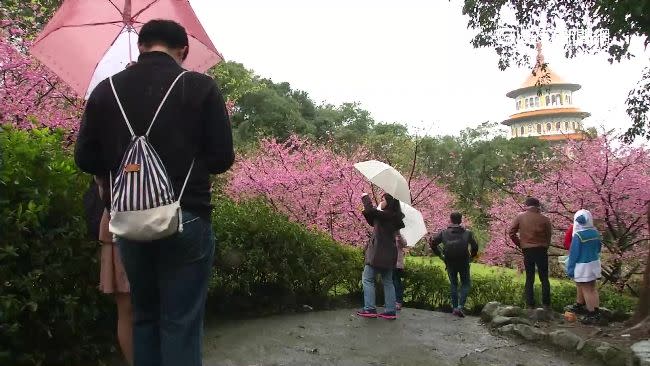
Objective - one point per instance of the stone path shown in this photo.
(340, 338)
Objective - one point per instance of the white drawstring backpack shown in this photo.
(143, 205)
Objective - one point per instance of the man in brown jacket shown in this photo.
(531, 231)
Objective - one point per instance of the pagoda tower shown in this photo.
(551, 115)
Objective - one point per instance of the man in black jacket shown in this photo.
(168, 277)
(456, 240)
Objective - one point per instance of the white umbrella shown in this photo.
(414, 226)
(387, 178)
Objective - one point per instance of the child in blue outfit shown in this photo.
(583, 265)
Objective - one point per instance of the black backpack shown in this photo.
(455, 245)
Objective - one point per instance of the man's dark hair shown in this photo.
(456, 218)
(163, 32)
(531, 202)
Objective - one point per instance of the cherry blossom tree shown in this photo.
(30, 95)
(601, 175)
(321, 189)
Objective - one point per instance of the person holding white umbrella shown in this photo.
(381, 254)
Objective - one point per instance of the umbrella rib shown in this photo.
(104, 54)
(91, 24)
(115, 6)
(144, 9)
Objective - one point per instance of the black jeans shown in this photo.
(537, 257)
(397, 281)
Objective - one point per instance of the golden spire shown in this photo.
(540, 55)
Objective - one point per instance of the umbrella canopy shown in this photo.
(387, 178)
(414, 226)
(88, 41)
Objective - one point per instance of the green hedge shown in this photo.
(427, 286)
(51, 312)
(267, 263)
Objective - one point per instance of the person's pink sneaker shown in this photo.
(390, 315)
(367, 313)
(458, 312)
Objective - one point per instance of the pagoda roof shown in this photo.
(541, 77)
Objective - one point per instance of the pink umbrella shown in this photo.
(89, 40)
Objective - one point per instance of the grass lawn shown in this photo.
(478, 269)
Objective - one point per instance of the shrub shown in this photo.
(50, 309)
(266, 262)
(427, 286)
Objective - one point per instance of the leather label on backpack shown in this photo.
(132, 168)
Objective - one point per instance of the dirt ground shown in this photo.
(339, 337)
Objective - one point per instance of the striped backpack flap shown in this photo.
(143, 204)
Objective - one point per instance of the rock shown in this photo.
(509, 311)
(489, 311)
(612, 355)
(529, 333)
(588, 347)
(506, 329)
(641, 353)
(603, 351)
(564, 339)
(541, 315)
(605, 313)
(307, 308)
(500, 321)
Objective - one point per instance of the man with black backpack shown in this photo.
(455, 254)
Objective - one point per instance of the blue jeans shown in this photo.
(169, 282)
(368, 281)
(454, 270)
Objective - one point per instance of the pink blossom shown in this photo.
(611, 181)
(30, 94)
(321, 189)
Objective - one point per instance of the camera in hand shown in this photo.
(367, 202)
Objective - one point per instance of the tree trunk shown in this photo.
(642, 313)
(643, 310)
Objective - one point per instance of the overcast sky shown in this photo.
(408, 61)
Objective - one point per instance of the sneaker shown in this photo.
(592, 318)
(391, 315)
(577, 308)
(367, 313)
(398, 306)
(458, 312)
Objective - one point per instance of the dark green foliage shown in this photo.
(427, 286)
(266, 262)
(479, 163)
(50, 309)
